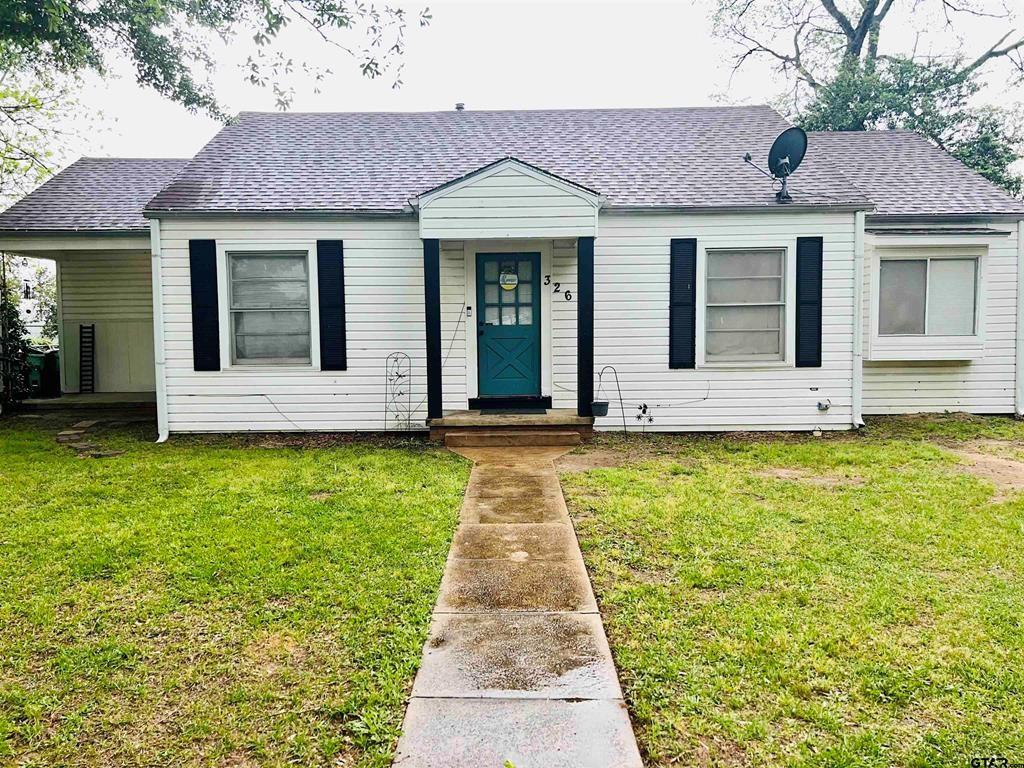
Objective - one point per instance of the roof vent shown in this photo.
(459, 106)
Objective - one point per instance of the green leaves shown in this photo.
(931, 98)
(168, 40)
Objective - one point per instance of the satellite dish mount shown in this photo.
(784, 158)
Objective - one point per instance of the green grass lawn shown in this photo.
(852, 600)
(214, 603)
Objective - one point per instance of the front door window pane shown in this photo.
(508, 314)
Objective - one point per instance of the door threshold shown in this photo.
(509, 403)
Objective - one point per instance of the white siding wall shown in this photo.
(384, 313)
(384, 303)
(631, 327)
(984, 385)
(113, 291)
(563, 325)
(454, 326)
(508, 203)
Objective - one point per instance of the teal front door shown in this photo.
(508, 324)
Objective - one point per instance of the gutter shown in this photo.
(158, 331)
(1018, 395)
(411, 211)
(858, 320)
(72, 233)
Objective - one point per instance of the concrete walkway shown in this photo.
(517, 667)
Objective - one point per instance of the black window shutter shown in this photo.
(682, 310)
(202, 266)
(808, 302)
(330, 267)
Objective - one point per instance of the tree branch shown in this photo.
(995, 52)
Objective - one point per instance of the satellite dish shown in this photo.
(784, 158)
(787, 152)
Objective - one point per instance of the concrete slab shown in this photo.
(513, 456)
(502, 585)
(488, 474)
(496, 510)
(550, 655)
(517, 667)
(520, 543)
(551, 417)
(513, 486)
(528, 733)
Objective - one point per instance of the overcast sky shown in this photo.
(489, 55)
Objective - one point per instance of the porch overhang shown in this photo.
(508, 199)
(48, 243)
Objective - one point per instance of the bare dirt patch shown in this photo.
(274, 651)
(1007, 475)
(805, 476)
(600, 458)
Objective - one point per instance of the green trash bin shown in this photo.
(49, 380)
(35, 360)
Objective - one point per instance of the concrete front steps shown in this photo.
(475, 429)
(519, 438)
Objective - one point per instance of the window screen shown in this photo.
(934, 297)
(951, 293)
(270, 307)
(745, 317)
(901, 297)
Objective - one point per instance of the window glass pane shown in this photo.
(491, 316)
(279, 347)
(525, 270)
(271, 322)
(744, 290)
(276, 283)
(753, 282)
(901, 296)
(269, 294)
(246, 266)
(951, 292)
(508, 315)
(745, 263)
(526, 315)
(491, 271)
(525, 292)
(752, 318)
(730, 345)
(491, 294)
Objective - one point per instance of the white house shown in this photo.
(362, 271)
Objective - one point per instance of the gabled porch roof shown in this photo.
(496, 167)
(508, 198)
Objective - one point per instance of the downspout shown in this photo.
(158, 331)
(1018, 396)
(858, 319)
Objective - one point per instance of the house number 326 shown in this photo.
(558, 288)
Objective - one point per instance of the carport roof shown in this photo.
(95, 194)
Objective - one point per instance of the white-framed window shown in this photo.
(928, 296)
(745, 305)
(269, 319)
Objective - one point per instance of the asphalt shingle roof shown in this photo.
(377, 162)
(363, 162)
(93, 194)
(906, 175)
